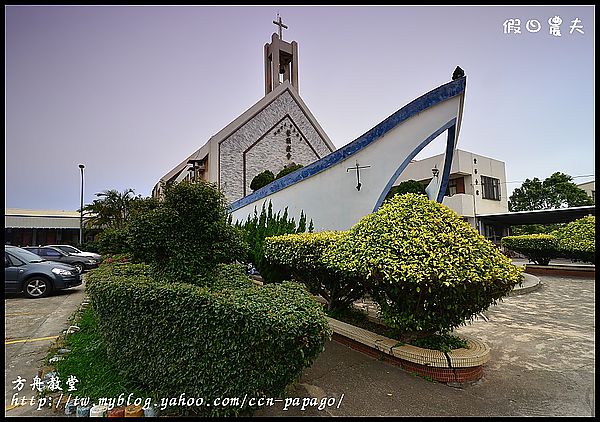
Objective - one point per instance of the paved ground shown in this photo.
(38, 320)
(542, 363)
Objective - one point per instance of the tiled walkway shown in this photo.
(542, 363)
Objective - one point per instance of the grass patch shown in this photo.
(89, 363)
(358, 318)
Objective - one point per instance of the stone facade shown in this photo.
(278, 135)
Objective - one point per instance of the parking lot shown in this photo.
(31, 326)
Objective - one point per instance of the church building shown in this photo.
(276, 132)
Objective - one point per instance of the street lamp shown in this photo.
(81, 166)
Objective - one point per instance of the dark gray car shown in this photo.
(50, 253)
(28, 273)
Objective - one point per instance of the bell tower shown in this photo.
(281, 60)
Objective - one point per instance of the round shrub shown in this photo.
(428, 270)
(577, 240)
(287, 170)
(262, 179)
(301, 255)
(538, 248)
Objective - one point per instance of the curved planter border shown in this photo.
(530, 284)
(584, 271)
(460, 365)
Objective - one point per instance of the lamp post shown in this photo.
(81, 166)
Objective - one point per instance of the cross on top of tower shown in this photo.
(280, 24)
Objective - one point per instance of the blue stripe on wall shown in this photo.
(430, 99)
(407, 160)
(447, 163)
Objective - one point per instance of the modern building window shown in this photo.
(455, 186)
(490, 188)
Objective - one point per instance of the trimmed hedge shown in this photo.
(429, 270)
(577, 240)
(538, 248)
(301, 255)
(174, 338)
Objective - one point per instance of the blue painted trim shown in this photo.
(447, 163)
(430, 99)
(407, 160)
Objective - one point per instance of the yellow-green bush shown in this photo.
(538, 248)
(429, 270)
(300, 254)
(577, 240)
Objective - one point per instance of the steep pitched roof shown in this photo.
(243, 119)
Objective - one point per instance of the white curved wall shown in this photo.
(330, 198)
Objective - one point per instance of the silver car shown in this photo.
(72, 250)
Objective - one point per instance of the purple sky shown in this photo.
(132, 91)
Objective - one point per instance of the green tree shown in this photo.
(268, 223)
(408, 186)
(563, 192)
(187, 233)
(556, 191)
(110, 210)
(262, 179)
(287, 170)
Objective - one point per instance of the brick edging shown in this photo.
(459, 365)
(560, 271)
(443, 375)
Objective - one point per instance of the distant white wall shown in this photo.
(464, 165)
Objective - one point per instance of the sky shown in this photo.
(131, 91)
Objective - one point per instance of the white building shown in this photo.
(589, 188)
(477, 184)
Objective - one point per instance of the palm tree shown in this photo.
(111, 210)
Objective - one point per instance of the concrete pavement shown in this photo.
(39, 322)
(542, 364)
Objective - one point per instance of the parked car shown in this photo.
(27, 272)
(54, 254)
(72, 250)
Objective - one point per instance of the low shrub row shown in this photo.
(575, 241)
(224, 337)
(538, 248)
(301, 256)
(428, 270)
